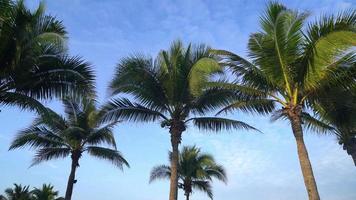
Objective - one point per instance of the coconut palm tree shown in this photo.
(171, 90)
(17, 193)
(195, 171)
(290, 65)
(47, 192)
(34, 63)
(82, 130)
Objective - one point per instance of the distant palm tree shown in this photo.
(195, 171)
(171, 90)
(290, 66)
(82, 130)
(34, 63)
(47, 192)
(17, 193)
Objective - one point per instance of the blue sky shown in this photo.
(259, 166)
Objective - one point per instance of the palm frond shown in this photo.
(219, 124)
(160, 172)
(50, 153)
(260, 106)
(111, 155)
(216, 171)
(58, 76)
(315, 125)
(200, 73)
(102, 135)
(22, 101)
(37, 137)
(325, 38)
(203, 186)
(212, 99)
(136, 75)
(123, 109)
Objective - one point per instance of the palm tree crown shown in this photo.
(82, 130)
(172, 90)
(195, 171)
(47, 192)
(291, 66)
(19, 192)
(33, 58)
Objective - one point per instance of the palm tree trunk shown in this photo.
(304, 161)
(71, 179)
(350, 148)
(187, 196)
(173, 191)
(353, 155)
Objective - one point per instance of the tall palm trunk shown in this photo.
(308, 175)
(71, 179)
(176, 131)
(350, 148)
(187, 196)
(173, 190)
(187, 188)
(353, 155)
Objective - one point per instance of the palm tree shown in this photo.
(17, 193)
(47, 192)
(170, 90)
(195, 171)
(34, 63)
(290, 65)
(82, 130)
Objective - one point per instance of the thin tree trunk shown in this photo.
(173, 192)
(304, 161)
(187, 196)
(350, 148)
(353, 155)
(71, 179)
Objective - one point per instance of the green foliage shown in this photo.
(33, 58)
(19, 192)
(47, 192)
(173, 87)
(196, 170)
(81, 130)
(292, 64)
(338, 109)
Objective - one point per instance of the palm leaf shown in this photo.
(203, 186)
(37, 137)
(315, 124)
(123, 109)
(108, 154)
(50, 153)
(219, 124)
(160, 172)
